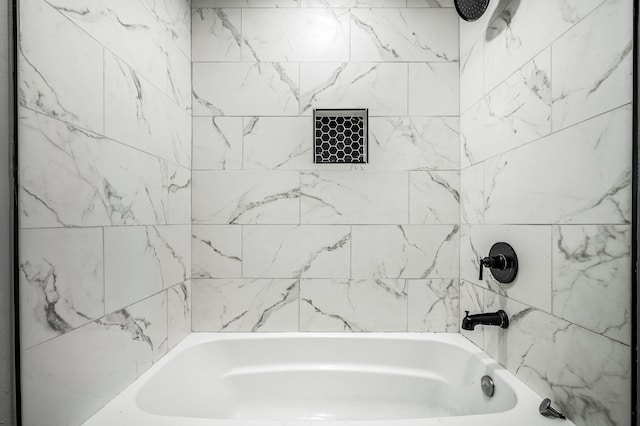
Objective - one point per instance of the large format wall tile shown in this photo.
(141, 261)
(245, 89)
(216, 35)
(472, 194)
(471, 75)
(61, 281)
(434, 197)
(216, 251)
(587, 82)
(413, 143)
(352, 3)
(244, 3)
(246, 197)
(139, 115)
(283, 143)
(587, 375)
(245, 305)
(380, 87)
(306, 251)
(592, 278)
(354, 197)
(175, 17)
(279, 35)
(588, 180)
(178, 77)
(404, 35)
(179, 313)
(516, 112)
(70, 177)
(353, 305)
(67, 379)
(217, 143)
(433, 305)
(414, 251)
(434, 89)
(472, 300)
(48, 48)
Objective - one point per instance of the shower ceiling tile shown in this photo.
(543, 182)
(434, 89)
(332, 197)
(216, 35)
(404, 35)
(49, 46)
(61, 281)
(245, 89)
(434, 197)
(434, 305)
(139, 115)
(414, 251)
(293, 35)
(217, 143)
(380, 87)
(524, 28)
(353, 305)
(413, 143)
(591, 278)
(246, 197)
(216, 251)
(587, 82)
(282, 143)
(245, 305)
(307, 251)
(514, 113)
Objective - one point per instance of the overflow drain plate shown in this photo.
(488, 388)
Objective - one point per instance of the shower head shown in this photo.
(471, 10)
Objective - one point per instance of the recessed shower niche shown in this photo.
(340, 135)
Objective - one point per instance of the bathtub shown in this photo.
(330, 379)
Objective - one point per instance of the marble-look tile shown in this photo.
(216, 35)
(352, 3)
(216, 251)
(295, 35)
(414, 143)
(278, 143)
(585, 374)
(245, 305)
(434, 89)
(590, 81)
(217, 143)
(472, 194)
(114, 21)
(139, 115)
(70, 177)
(472, 76)
(343, 197)
(521, 29)
(430, 3)
(380, 87)
(67, 379)
(245, 89)
(516, 112)
(523, 186)
(433, 305)
(61, 281)
(476, 31)
(414, 251)
(143, 260)
(353, 305)
(306, 251)
(532, 284)
(413, 35)
(592, 278)
(245, 197)
(434, 197)
(50, 45)
(470, 253)
(179, 78)
(175, 17)
(472, 300)
(244, 3)
(179, 313)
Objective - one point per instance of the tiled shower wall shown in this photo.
(546, 90)
(281, 244)
(105, 157)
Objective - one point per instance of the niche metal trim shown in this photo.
(340, 136)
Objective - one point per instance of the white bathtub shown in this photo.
(298, 379)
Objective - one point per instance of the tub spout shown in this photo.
(499, 318)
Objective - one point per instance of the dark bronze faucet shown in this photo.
(499, 318)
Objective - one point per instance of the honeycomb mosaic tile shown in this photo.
(340, 135)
